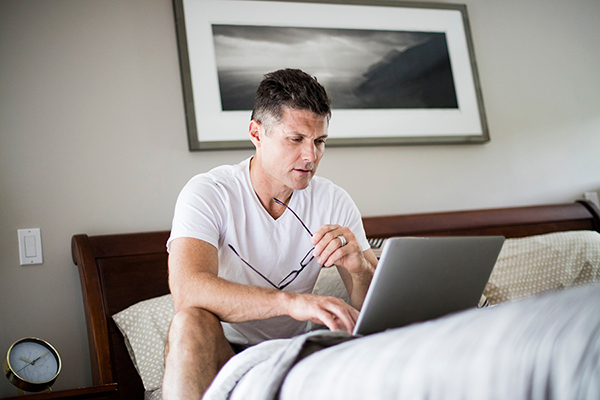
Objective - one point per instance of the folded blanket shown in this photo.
(546, 347)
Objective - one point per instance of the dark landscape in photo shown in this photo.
(362, 69)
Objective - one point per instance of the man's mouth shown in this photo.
(303, 171)
(306, 170)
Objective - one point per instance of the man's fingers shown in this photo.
(322, 231)
(343, 316)
(328, 320)
(330, 250)
(332, 254)
(329, 311)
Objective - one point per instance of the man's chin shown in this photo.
(300, 184)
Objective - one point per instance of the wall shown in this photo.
(93, 139)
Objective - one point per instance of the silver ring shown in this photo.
(343, 240)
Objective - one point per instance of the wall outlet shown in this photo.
(593, 197)
(30, 246)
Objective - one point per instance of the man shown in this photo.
(243, 258)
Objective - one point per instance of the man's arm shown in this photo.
(355, 266)
(194, 282)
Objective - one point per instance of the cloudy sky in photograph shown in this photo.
(326, 53)
(339, 58)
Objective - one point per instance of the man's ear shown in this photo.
(254, 131)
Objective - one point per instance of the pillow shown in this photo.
(144, 326)
(153, 394)
(329, 283)
(537, 264)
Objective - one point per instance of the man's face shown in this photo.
(291, 149)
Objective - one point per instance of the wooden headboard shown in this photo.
(117, 271)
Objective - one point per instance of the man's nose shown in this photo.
(309, 152)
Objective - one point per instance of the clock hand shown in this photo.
(32, 362)
(23, 368)
(37, 359)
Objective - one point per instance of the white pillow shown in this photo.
(144, 326)
(329, 283)
(537, 264)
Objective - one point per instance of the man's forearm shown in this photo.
(360, 285)
(230, 302)
(357, 283)
(194, 282)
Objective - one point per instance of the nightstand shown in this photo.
(102, 392)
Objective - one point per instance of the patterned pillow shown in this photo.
(537, 264)
(329, 283)
(144, 326)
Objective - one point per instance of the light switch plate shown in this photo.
(30, 246)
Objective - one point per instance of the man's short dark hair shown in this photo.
(289, 88)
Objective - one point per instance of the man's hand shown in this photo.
(355, 266)
(331, 250)
(329, 311)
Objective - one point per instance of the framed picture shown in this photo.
(399, 73)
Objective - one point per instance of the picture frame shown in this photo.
(410, 77)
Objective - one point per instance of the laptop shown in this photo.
(418, 279)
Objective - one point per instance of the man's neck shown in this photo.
(266, 190)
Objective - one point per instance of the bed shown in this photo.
(121, 271)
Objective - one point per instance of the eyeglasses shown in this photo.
(292, 275)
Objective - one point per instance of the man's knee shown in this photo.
(196, 333)
(196, 318)
(196, 328)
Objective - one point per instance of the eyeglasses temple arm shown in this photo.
(295, 215)
(254, 269)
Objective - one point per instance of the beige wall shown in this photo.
(92, 138)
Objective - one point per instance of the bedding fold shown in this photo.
(547, 347)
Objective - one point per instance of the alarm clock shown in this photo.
(32, 365)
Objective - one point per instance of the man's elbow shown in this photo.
(190, 292)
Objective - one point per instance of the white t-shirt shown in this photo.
(220, 207)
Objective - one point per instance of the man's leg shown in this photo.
(195, 352)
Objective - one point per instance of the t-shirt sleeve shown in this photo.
(199, 212)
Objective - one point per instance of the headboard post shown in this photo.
(594, 210)
(98, 335)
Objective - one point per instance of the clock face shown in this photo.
(33, 361)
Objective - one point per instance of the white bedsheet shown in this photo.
(546, 347)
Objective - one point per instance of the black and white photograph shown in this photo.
(397, 74)
(362, 69)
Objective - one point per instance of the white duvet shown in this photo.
(546, 347)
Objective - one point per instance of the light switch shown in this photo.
(30, 246)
